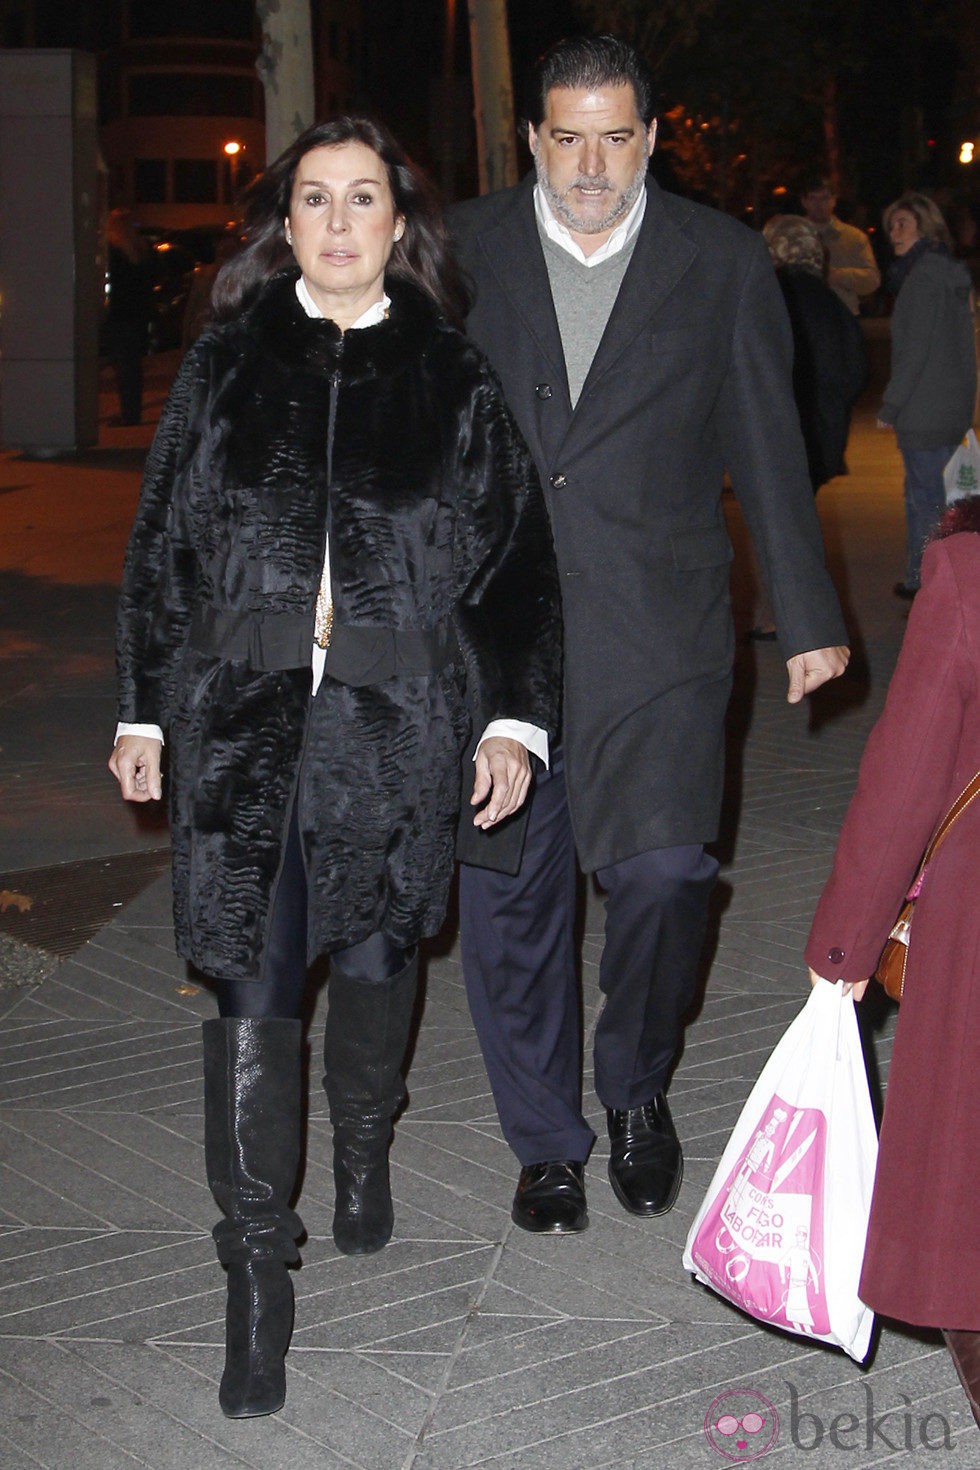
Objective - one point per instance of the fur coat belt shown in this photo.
(356, 654)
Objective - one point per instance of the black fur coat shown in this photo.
(395, 439)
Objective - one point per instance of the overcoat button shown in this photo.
(558, 482)
(543, 390)
(835, 956)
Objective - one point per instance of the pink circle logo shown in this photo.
(741, 1424)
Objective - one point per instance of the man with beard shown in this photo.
(644, 350)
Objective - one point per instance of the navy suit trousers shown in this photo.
(517, 936)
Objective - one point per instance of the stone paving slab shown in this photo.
(466, 1342)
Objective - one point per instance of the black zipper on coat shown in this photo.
(294, 795)
(332, 427)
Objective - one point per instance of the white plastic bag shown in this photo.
(961, 476)
(782, 1229)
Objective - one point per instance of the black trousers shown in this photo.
(517, 938)
(125, 345)
(278, 992)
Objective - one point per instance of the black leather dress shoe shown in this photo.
(550, 1198)
(645, 1160)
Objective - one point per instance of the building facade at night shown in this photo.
(177, 83)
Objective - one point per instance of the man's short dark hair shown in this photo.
(589, 61)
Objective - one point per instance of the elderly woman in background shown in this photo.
(341, 565)
(830, 365)
(922, 1260)
(931, 394)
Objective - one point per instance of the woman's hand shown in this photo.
(851, 987)
(135, 763)
(503, 772)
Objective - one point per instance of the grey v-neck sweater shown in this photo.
(584, 296)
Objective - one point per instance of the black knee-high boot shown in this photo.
(251, 1147)
(364, 1045)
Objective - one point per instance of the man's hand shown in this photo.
(807, 671)
(503, 772)
(135, 763)
(852, 987)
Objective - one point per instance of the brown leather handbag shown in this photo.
(894, 957)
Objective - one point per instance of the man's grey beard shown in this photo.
(619, 209)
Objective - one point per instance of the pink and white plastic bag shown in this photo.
(782, 1228)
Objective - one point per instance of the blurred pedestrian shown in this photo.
(851, 268)
(830, 367)
(922, 1259)
(830, 364)
(930, 396)
(341, 564)
(197, 308)
(129, 305)
(966, 238)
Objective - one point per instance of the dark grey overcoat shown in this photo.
(692, 377)
(396, 440)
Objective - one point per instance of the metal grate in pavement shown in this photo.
(58, 908)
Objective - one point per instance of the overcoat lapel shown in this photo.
(662, 256)
(515, 257)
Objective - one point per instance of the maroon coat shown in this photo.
(922, 1262)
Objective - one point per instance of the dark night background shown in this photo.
(882, 92)
(754, 95)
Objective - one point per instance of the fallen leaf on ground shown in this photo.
(11, 900)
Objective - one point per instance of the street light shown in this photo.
(966, 153)
(233, 151)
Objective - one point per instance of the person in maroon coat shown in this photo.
(922, 1261)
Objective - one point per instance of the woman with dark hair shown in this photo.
(341, 565)
(922, 1260)
(419, 253)
(931, 393)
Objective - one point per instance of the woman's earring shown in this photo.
(398, 234)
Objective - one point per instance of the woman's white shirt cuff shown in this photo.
(531, 737)
(149, 732)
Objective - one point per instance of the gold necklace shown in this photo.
(323, 618)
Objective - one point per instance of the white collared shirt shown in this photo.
(620, 237)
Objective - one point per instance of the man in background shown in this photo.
(851, 268)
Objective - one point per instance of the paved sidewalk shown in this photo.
(466, 1342)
